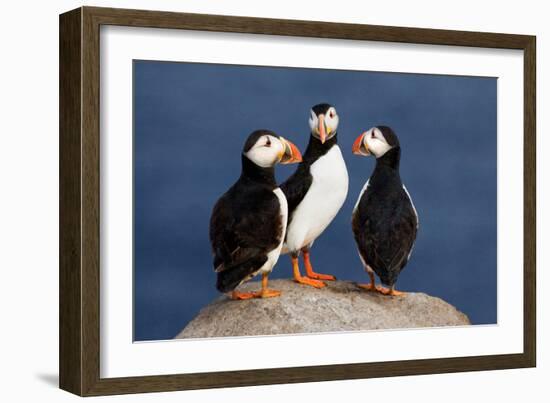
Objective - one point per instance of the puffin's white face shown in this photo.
(324, 126)
(266, 152)
(270, 150)
(371, 142)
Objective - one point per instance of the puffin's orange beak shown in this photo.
(322, 130)
(291, 153)
(359, 148)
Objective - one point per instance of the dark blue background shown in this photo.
(190, 123)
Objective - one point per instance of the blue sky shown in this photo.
(190, 123)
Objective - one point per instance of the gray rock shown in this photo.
(340, 306)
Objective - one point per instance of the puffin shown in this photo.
(384, 219)
(315, 192)
(248, 222)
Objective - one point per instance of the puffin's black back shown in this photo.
(384, 222)
(245, 224)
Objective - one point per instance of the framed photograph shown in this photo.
(248, 201)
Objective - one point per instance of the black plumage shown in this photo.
(385, 222)
(321, 108)
(246, 223)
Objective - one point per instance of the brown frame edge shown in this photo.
(79, 201)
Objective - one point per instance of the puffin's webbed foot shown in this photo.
(372, 285)
(304, 280)
(309, 281)
(319, 276)
(263, 293)
(309, 269)
(237, 295)
(267, 293)
(393, 292)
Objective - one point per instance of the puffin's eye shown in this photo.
(268, 142)
(332, 113)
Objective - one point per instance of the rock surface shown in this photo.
(341, 306)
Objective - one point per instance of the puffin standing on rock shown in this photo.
(248, 222)
(384, 219)
(315, 192)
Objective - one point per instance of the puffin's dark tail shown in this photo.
(232, 276)
(388, 278)
(388, 275)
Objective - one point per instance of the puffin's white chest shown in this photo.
(322, 202)
(273, 256)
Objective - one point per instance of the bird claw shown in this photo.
(311, 282)
(376, 288)
(319, 276)
(269, 293)
(236, 295)
(393, 293)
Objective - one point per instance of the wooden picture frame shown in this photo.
(80, 198)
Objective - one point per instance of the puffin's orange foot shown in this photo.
(319, 276)
(269, 293)
(373, 287)
(309, 281)
(309, 269)
(393, 293)
(236, 295)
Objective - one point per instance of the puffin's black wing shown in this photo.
(245, 226)
(385, 234)
(296, 187)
